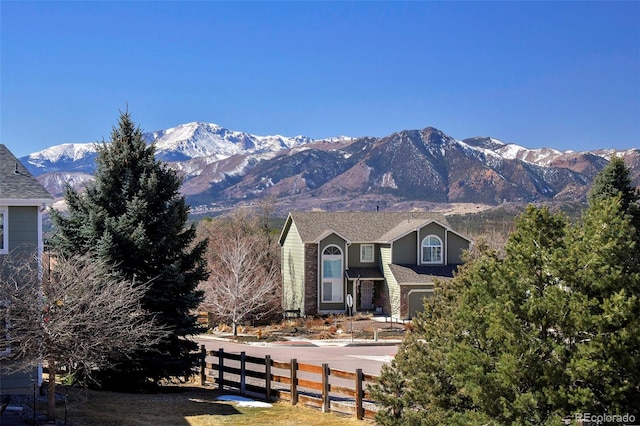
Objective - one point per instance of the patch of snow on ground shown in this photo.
(244, 402)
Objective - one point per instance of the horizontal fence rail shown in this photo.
(314, 385)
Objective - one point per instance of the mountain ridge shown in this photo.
(222, 167)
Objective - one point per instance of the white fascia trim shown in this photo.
(328, 232)
(12, 202)
(460, 235)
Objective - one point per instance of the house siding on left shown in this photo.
(22, 228)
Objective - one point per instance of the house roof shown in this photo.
(359, 226)
(421, 274)
(364, 274)
(17, 185)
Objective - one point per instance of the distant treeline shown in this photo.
(497, 223)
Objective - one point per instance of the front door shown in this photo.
(366, 295)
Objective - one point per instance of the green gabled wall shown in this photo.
(293, 273)
(391, 284)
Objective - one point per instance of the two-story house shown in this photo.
(384, 262)
(22, 202)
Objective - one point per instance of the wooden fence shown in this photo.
(309, 384)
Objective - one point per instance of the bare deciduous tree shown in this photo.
(76, 315)
(244, 278)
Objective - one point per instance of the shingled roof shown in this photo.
(421, 274)
(17, 185)
(361, 226)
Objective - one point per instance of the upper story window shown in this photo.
(332, 273)
(366, 253)
(4, 237)
(431, 250)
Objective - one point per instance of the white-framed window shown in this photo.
(4, 228)
(431, 250)
(332, 275)
(366, 253)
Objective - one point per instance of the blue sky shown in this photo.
(558, 74)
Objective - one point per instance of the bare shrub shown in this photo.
(75, 315)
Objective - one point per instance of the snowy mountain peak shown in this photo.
(184, 142)
(198, 139)
(540, 156)
(67, 151)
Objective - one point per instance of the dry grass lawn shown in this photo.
(188, 405)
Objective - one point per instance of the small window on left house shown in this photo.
(4, 235)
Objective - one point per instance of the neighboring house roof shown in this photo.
(359, 226)
(17, 185)
(421, 274)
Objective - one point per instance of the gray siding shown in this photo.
(23, 230)
(293, 272)
(405, 250)
(22, 227)
(456, 245)
(354, 257)
(19, 383)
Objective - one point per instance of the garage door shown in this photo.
(416, 303)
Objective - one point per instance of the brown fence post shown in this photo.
(203, 365)
(267, 377)
(243, 373)
(221, 368)
(359, 407)
(326, 400)
(294, 381)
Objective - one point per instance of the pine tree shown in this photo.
(418, 387)
(615, 180)
(602, 268)
(510, 357)
(134, 218)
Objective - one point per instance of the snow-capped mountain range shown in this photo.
(223, 167)
(181, 143)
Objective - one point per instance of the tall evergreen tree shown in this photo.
(615, 180)
(134, 218)
(417, 388)
(511, 354)
(602, 268)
